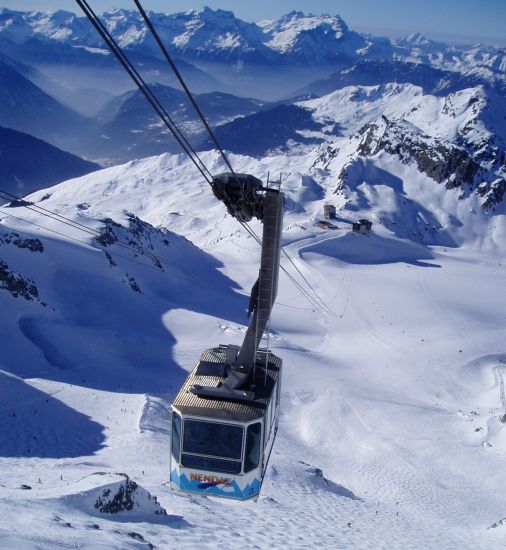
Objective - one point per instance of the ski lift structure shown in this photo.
(362, 226)
(225, 417)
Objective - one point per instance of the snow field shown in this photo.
(390, 435)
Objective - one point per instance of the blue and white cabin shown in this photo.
(221, 447)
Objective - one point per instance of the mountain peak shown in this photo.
(417, 38)
(209, 13)
(309, 36)
(294, 14)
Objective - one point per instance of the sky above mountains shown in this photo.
(463, 21)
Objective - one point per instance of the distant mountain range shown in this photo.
(129, 128)
(28, 164)
(218, 36)
(25, 107)
(282, 55)
(335, 90)
(431, 79)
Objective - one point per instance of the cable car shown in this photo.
(225, 417)
(221, 447)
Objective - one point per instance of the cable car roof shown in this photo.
(209, 372)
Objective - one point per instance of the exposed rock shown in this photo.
(125, 496)
(34, 245)
(107, 236)
(133, 283)
(17, 285)
(442, 161)
(492, 193)
(500, 523)
(138, 236)
(121, 501)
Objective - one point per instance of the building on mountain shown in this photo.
(322, 224)
(362, 226)
(329, 211)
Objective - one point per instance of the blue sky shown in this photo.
(455, 20)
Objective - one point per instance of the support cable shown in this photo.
(181, 81)
(167, 120)
(145, 89)
(96, 233)
(301, 289)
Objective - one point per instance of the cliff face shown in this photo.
(457, 141)
(442, 161)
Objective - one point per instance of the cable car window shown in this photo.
(253, 437)
(176, 435)
(211, 438)
(214, 464)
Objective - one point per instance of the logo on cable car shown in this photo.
(206, 481)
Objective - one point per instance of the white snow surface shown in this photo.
(440, 117)
(390, 434)
(285, 33)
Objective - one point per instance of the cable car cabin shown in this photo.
(221, 447)
(225, 417)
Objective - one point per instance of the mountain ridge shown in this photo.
(28, 164)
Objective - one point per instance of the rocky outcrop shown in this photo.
(16, 284)
(467, 163)
(33, 245)
(126, 496)
(492, 193)
(442, 161)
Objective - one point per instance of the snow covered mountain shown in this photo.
(431, 79)
(218, 35)
(104, 314)
(457, 139)
(482, 59)
(211, 35)
(128, 127)
(25, 107)
(311, 39)
(292, 50)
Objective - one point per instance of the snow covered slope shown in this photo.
(458, 140)
(392, 430)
